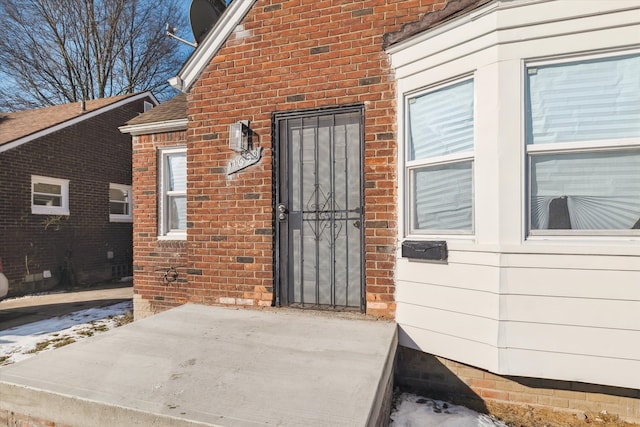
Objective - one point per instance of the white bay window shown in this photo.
(440, 159)
(583, 145)
(553, 258)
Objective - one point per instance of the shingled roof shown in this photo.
(454, 8)
(173, 109)
(20, 124)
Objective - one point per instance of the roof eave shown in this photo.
(155, 127)
(44, 132)
(452, 12)
(210, 46)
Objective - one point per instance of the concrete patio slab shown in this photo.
(212, 366)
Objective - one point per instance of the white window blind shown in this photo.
(441, 122)
(443, 197)
(585, 101)
(592, 182)
(440, 159)
(176, 191)
(602, 190)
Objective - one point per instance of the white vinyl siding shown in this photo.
(582, 116)
(511, 298)
(173, 194)
(440, 159)
(49, 196)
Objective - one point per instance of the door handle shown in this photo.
(282, 212)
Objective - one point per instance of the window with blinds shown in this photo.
(440, 159)
(173, 203)
(583, 146)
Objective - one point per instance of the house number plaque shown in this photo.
(246, 159)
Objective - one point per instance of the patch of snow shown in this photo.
(37, 294)
(416, 411)
(21, 342)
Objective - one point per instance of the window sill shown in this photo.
(594, 244)
(117, 218)
(463, 238)
(173, 236)
(49, 211)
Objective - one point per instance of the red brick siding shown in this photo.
(153, 257)
(445, 379)
(90, 154)
(290, 55)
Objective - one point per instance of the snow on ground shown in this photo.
(415, 411)
(25, 341)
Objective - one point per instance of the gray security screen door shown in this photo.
(319, 209)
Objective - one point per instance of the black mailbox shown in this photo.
(425, 249)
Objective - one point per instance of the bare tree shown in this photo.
(57, 51)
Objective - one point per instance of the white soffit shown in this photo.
(212, 43)
(155, 127)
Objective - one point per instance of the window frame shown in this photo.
(63, 209)
(411, 167)
(164, 232)
(129, 203)
(575, 147)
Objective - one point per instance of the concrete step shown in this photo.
(213, 366)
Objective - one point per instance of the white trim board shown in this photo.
(155, 127)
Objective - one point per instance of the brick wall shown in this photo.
(90, 154)
(445, 379)
(153, 257)
(285, 56)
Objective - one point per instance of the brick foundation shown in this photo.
(444, 379)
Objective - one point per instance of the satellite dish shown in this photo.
(203, 15)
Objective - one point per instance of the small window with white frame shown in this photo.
(49, 196)
(439, 159)
(120, 203)
(583, 145)
(173, 194)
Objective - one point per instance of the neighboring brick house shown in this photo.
(397, 157)
(65, 185)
